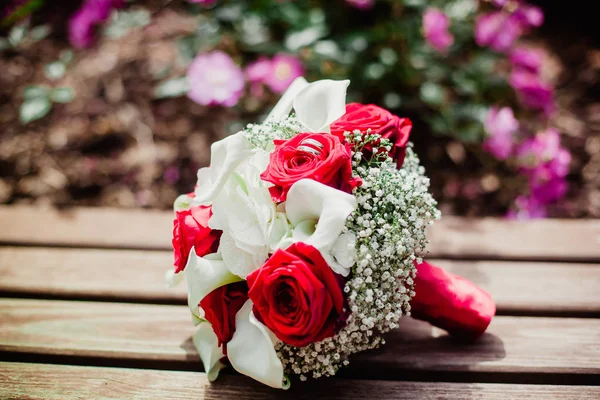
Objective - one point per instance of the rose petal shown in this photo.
(309, 202)
(284, 105)
(321, 103)
(251, 351)
(225, 156)
(203, 275)
(206, 343)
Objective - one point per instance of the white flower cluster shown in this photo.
(394, 209)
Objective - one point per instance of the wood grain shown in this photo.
(452, 237)
(539, 288)
(42, 381)
(161, 333)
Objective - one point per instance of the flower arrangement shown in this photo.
(301, 243)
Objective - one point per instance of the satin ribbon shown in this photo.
(451, 302)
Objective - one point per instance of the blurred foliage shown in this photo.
(381, 50)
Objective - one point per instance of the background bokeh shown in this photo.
(115, 103)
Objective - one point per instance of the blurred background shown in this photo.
(115, 103)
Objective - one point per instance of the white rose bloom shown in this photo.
(248, 217)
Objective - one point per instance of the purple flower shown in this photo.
(532, 92)
(546, 164)
(284, 69)
(215, 79)
(527, 59)
(361, 4)
(497, 30)
(500, 125)
(258, 71)
(500, 3)
(526, 207)
(529, 16)
(544, 150)
(83, 23)
(435, 29)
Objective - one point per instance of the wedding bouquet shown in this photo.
(300, 243)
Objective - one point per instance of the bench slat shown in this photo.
(151, 334)
(540, 288)
(43, 381)
(451, 237)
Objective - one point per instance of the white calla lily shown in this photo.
(203, 275)
(284, 105)
(206, 343)
(320, 104)
(248, 217)
(251, 350)
(225, 156)
(318, 215)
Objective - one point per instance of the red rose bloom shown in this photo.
(317, 156)
(297, 295)
(191, 230)
(220, 307)
(380, 122)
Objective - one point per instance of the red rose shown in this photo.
(191, 230)
(220, 307)
(297, 295)
(317, 156)
(381, 122)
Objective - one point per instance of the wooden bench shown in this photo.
(84, 313)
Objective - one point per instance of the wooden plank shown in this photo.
(492, 238)
(117, 334)
(43, 381)
(101, 274)
(539, 288)
(86, 227)
(452, 237)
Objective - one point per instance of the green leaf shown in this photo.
(33, 109)
(4, 44)
(35, 91)
(432, 94)
(17, 34)
(40, 32)
(55, 70)
(66, 56)
(171, 88)
(63, 95)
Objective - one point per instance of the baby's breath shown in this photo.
(394, 209)
(262, 135)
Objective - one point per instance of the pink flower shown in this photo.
(532, 92)
(527, 59)
(543, 156)
(498, 30)
(361, 4)
(527, 208)
(500, 125)
(83, 23)
(258, 71)
(529, 16)
(215, 79)
(284, 69)
(435, 29)
(546, 164)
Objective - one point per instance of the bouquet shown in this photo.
(300, 243)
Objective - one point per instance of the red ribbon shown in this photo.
(451, 302)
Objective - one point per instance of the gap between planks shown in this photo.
(515, 349)
(41, 381)
(452, 237)
(522, 288)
